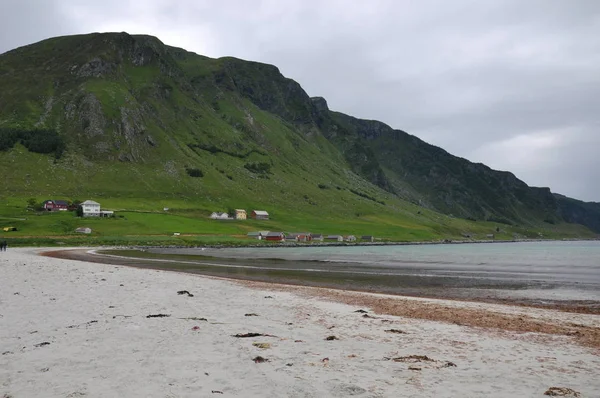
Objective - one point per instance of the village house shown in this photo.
(259, 215)
(317, 237)
(240, 214)
(303, 236)
(90, 208)
(334, 238)
(257, 234)
(55, 205)
(275, 236)
(291, 238)
(350, 238)
(367, 238)
(219, 216)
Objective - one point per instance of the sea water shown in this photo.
(553, 270)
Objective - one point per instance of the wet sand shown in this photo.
(343, 277)
(507, 315)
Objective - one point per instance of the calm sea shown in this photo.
(538, 271)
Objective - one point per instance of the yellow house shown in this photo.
(240, 214)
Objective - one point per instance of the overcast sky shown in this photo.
(513, 84)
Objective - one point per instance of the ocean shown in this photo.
(550, 273)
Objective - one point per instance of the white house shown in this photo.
(219, 216)
(90, 208)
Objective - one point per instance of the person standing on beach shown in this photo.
(3, 246)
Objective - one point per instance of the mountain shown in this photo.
(126, 117)
(579, 212)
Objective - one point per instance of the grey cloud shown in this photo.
(467, 75)
(26, 21)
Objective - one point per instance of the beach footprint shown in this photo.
(344, 389)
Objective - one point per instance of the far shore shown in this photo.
(351, 244)
(71, 240)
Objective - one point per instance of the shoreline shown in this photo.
(251, 243)
(447, 309)
(214, 269)
(351, 244)
(76, 328)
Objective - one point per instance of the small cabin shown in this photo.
(240, 214)
(257, 234)
(367, 238)
(334, 238)
(317, 237)
(259, 215)
(303, 236)
(275, 236)
(350, 238)
(55, 205)
(291, 238)
(219, 216)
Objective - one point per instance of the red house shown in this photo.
(299, 236)
(55, 205)
(304, 236)
(275, 236)
(259, 215)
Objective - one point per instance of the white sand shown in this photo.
(51, 300)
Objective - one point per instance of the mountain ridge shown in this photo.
(131, 100)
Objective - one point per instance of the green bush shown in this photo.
(258, 168)
(38, 141)
(194, 172)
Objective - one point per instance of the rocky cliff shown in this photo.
(126, 99)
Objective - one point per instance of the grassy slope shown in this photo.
(177, 113)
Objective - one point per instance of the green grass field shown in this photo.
(141, 222)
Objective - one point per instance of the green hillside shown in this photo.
(138, 126)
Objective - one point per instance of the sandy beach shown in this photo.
(80, 329)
